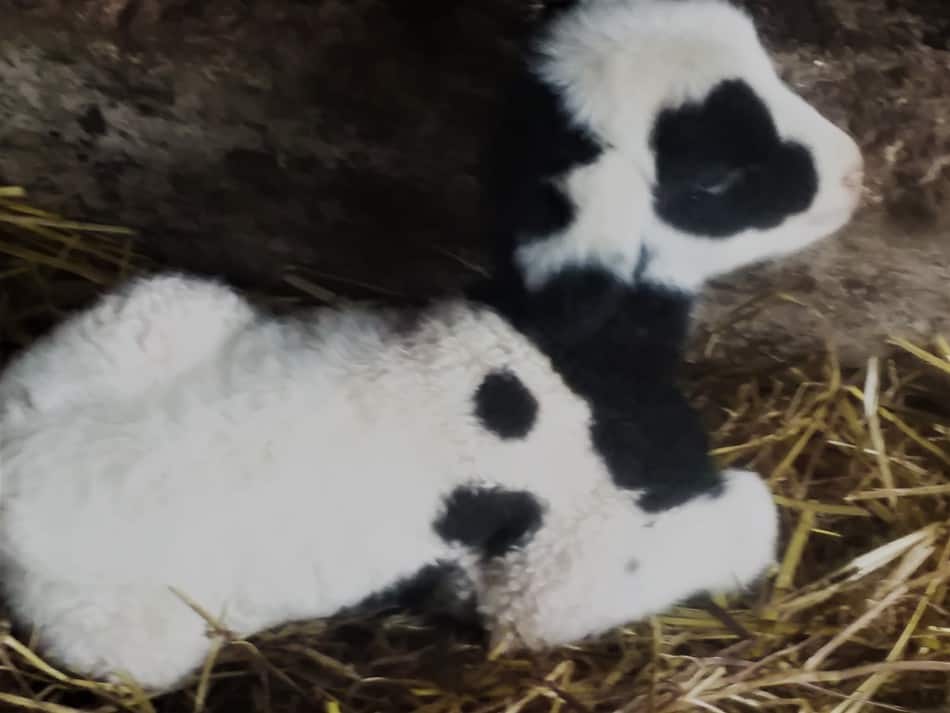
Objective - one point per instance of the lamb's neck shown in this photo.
(618, 347)
(653, 319)
(597, 322)
(640, 332)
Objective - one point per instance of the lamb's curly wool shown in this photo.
(170, 441)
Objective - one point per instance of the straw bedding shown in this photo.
(856, 616)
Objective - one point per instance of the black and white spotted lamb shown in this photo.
(173, 443)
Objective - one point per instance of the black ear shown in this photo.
(489, 520)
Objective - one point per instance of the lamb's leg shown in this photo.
(147, 332)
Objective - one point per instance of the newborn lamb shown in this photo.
(171, 444)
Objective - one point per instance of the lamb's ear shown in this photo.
(490, 521)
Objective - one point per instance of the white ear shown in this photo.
(619, 564)
(535, 598)
(724, 542)
(612, 198)
(570, 581)
(750, 527)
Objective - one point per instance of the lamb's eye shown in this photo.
(715, 184)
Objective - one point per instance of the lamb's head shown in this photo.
(608, 563)
(659, 138)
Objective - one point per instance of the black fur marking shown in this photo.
(492, 521)
(440, 593)
(442, 586)
(618, 348)
(505, 406)
(722, 167)
(615, 346)
(536, 143)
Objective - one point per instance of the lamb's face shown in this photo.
(705, 159)
(587, 572)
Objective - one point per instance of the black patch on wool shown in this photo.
(618, 348)
(536, 142)
(490, 520)
(723, 168)
(505, 406)
(440, 587)
(441, 593)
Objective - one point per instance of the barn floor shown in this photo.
(312, 149)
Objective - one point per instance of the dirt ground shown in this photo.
(242, 136)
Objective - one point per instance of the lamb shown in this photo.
(275, 469)
(530, 436)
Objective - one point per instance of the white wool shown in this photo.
(616, 64)
(568, 582)
(612, 197)
(277, 469)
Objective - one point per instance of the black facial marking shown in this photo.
(505, 406)
(618, 348)
(722, 167)
(492, 521)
